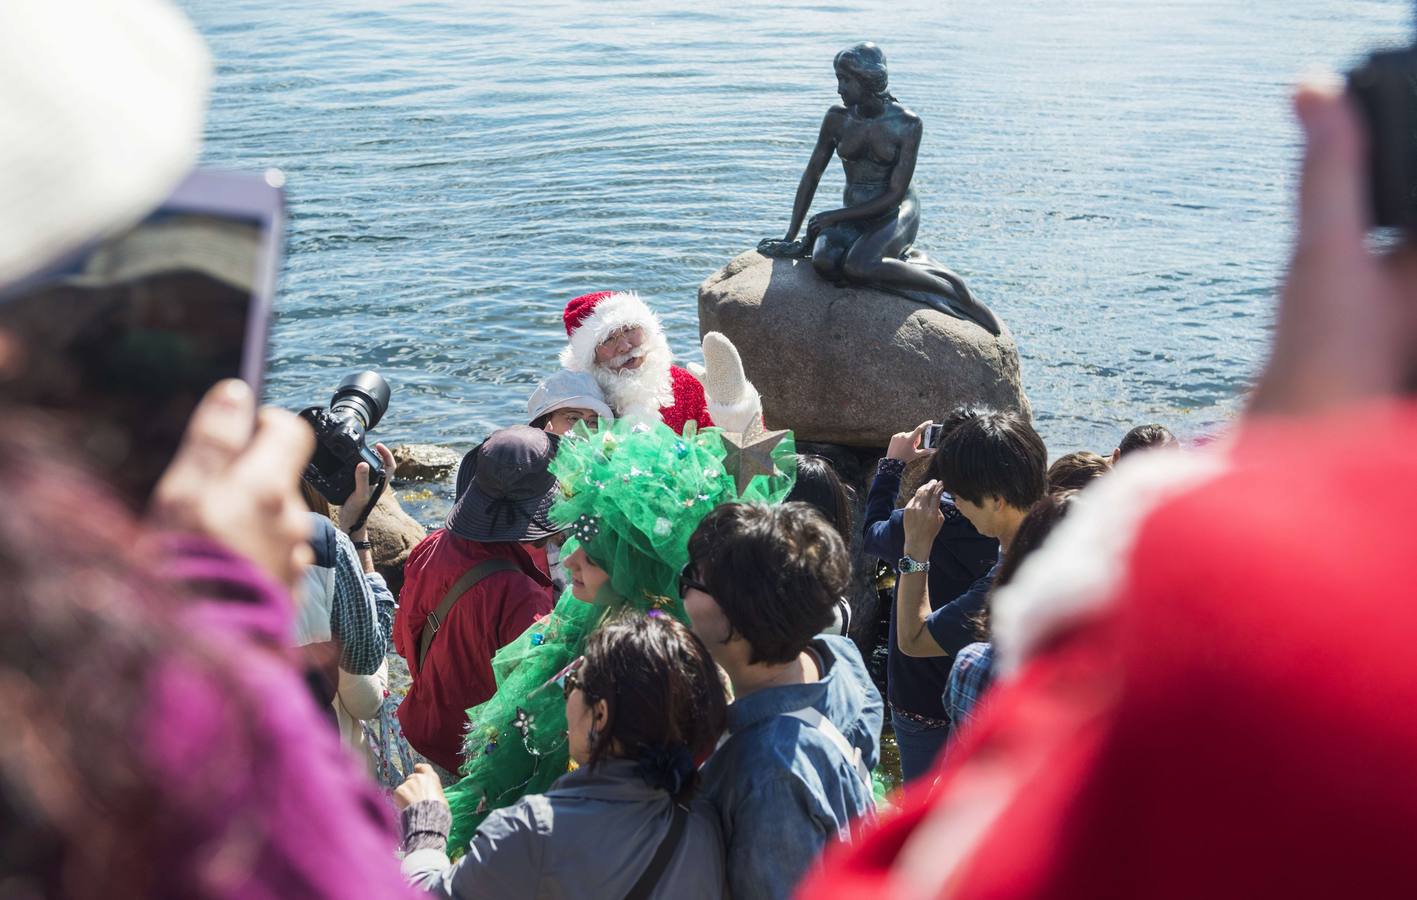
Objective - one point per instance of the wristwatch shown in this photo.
(906, 565)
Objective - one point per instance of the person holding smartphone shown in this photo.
(958, 558)
(157, 740)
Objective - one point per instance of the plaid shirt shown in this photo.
(341, 603)
(362, 614)
(970, 677)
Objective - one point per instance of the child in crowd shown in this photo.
(793, 772)
(641, 706)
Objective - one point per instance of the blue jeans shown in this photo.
(919, 746)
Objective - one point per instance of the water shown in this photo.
(1114, 177)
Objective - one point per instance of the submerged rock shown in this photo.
(852, 365)
(424, 462)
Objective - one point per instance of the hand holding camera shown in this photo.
(358, 404)
(1347, 315)
(908, 446)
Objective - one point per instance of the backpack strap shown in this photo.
(469, 579)
(662, 855)
(813, 717)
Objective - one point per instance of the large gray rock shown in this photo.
(394, 533)
(849, 365)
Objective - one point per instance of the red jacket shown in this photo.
(457, 674)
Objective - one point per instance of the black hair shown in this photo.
(775, 571)
(1032, 531)
(994, 454)
(1144, 436)
(818, 484)
(540, 421)
(665, 704)
(948, 423)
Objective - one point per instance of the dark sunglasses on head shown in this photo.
(567, 679)
(688, 581)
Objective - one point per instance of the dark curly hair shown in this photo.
(775, 571)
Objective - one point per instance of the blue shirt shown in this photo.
(959, 556)
(970, 676)
(781, 788)
(955, 625)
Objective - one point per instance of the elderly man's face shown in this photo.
(621, 350)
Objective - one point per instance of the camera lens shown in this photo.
(363, 395)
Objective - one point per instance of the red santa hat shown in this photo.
(591, 318)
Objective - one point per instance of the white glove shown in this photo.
(733, 402)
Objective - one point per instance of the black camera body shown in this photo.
(358, 404)
(1384, 88)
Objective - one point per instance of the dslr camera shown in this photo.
(1384, 88)
(359, 403)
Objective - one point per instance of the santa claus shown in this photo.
(617, 339)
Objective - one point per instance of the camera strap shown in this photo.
(467, 582)
(369, 507)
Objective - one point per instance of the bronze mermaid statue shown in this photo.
(868, 240)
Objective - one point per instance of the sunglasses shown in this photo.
(688, 581)
(568, 679)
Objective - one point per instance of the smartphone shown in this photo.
(931, 438)
(122, 339)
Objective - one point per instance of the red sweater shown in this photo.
(457, 674)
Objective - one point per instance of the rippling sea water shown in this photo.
(1112, 176)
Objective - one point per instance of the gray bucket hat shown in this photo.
(511, 489)
(566, 388)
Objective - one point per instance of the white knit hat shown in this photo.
(101, 113)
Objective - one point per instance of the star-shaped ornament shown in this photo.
(750, 455)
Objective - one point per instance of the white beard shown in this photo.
(640, 392)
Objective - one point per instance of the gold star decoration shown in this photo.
(750, 455)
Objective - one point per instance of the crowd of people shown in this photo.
(630, 645)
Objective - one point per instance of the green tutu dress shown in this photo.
(634, 493)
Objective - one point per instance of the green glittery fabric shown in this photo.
(634, 493)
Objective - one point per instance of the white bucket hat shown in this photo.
(565, 389)
(103, 104)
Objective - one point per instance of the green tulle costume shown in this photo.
(635, 492)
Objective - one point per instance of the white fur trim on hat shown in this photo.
(619, 310)
(1079, 570)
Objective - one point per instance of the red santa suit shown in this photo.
(657, 388)
(1209, 689)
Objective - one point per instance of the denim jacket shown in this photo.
(782, 789)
